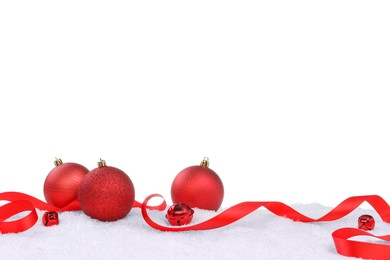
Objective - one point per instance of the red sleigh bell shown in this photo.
(50, 218)
(179, 214)
(366, 222)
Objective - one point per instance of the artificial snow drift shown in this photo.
(260, 235)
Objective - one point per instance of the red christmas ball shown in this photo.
(106, 193)
(62, 183)
(198, 187)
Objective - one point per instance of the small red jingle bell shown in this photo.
(366, 222)
(50, 218)
(179, 214)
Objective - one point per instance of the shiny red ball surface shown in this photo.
(106, 193)
(198, 187)
(62, 183)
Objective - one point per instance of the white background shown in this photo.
(288, 99)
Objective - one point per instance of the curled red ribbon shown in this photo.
(340, 237)
(19, 225)
(364, 250)
(20, 202)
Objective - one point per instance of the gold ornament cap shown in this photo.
(57, 161)
(205, 162)
(102, 163)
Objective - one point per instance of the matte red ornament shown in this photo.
(366, 222)
(62, 183)
(179, 214)
(50, 218)
(106, 193)
(198, 187)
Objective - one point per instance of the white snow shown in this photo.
(260, 235)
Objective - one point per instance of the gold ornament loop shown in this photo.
(57, 161)
(205, 162)
(102, 163)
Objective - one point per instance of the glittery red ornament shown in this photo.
(62, 183)
(106, 193)
(198, 187)
(179, 214)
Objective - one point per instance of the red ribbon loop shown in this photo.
(343, 245)
(364, 250)
(19, 225)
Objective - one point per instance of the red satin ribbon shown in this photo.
(365, 250)
(39, 204)
(343, 245)
(19, 225)
(20, 202)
